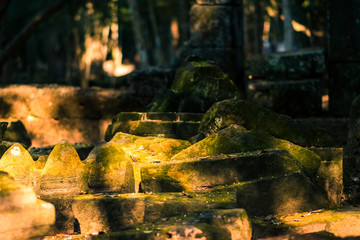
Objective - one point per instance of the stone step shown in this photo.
(169, 125)
(114, 212)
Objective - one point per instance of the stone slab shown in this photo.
(209, 172)
(114, 212)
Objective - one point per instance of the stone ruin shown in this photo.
(237, 171)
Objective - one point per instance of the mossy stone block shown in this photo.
(249, 115)
(282, 195)
(206, 173)
(236, 139)
(111, 171)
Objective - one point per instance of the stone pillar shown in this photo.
(344, 54)
(217, 34)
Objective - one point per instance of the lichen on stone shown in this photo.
(111, 171)
(236, 139)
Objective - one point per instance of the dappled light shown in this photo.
(188, 119)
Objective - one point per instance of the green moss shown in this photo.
(251, 116)
(236, 139)
(149, 149)
(63, 161)
(18, 162)
(112, 170)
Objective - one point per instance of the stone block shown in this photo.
(169, 125)
(250, 115)
(283, 195)
(117, 212)
(236, 139)
(300, 98)
(305, 63)
(230, 60)
(216, 26)
(209, 172)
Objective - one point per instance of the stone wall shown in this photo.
(51, 113)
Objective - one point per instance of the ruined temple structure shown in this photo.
(203, 162)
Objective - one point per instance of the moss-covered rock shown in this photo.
(197, 85)
(280, 195)
(203, 174)
(63, 172)
(16, 132)
(23, 215)
(236, 139)
(111, 171)
(251, 116)
(18, 163)
(149, 149)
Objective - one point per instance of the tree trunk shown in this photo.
(138, 33)
(288, 30)
(159, 55)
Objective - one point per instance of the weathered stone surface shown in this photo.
(23, 215)
(63, 172)
(236, 139)
(162, 124)
(305, 63)
(19, 164)
(251, 116)
(230, 60)
(216, 26)
(340, 223)
(330, 173)
(16, 132)
(280, 195)
(198, 84)
(255, 66)
(116, 212)
(111, 170)
(149, 149)
(301, 98)
(207, 173)
(214, 224)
